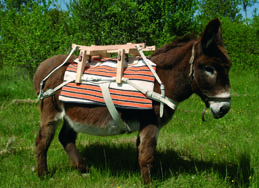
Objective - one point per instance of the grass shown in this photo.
(190, 153)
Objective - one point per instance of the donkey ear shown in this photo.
(211, 34)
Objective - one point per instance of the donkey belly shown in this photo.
(104, 129)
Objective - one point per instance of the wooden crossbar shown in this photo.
(109, 47)
(129, 48)
(104, 51)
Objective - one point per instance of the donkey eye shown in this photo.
(209, 70)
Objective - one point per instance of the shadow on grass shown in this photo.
(118, 158)
(121, 159)
(169, 164)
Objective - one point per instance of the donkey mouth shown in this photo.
(219, 109)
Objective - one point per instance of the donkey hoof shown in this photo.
(81, 168)
(42, 173)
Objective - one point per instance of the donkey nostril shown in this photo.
(224, 109)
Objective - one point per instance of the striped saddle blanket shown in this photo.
(98, 71)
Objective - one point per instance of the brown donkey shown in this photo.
(184, 66)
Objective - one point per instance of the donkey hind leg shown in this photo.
(43, 141)
(147, 145)
(67, 138)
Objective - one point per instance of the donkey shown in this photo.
(184, 66)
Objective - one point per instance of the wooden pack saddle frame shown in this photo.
(104, 51)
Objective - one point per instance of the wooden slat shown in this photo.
(81, 66)
(120, 65)
(109, 47)
(135, 52)
(100, 53)
(149, 49)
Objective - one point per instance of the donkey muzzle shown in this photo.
(219, 109)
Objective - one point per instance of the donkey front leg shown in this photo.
(147, 145)
(67, 138)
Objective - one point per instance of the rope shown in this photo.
(43, 81)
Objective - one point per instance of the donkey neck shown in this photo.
(173, 69)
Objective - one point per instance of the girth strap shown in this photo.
(110, 105)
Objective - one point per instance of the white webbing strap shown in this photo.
(148, 63)
(50, 92)
(165, 100)
(110, 105)
(42, 82)
(153, 95)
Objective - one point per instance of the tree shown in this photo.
(246, 4)
(33, 34)
(116, 22)
(19, 4)
(223, 9)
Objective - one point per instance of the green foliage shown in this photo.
(31, 35)
(241, 42)
(210, 9)
(240, 35)
(222, 9)
(118, 22)
(33, 30)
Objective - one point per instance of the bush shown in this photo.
(241, 42)
(32, 34)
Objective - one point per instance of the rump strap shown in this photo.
(41, 95)
(51, 91)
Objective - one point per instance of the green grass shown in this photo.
(190, 153)
(15, 83)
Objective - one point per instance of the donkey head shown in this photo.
(210, 73)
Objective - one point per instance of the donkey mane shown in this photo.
(181, 47)
(177, 42)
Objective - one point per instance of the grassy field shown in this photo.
(190, 153)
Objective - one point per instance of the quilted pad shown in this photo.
(97, 72)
